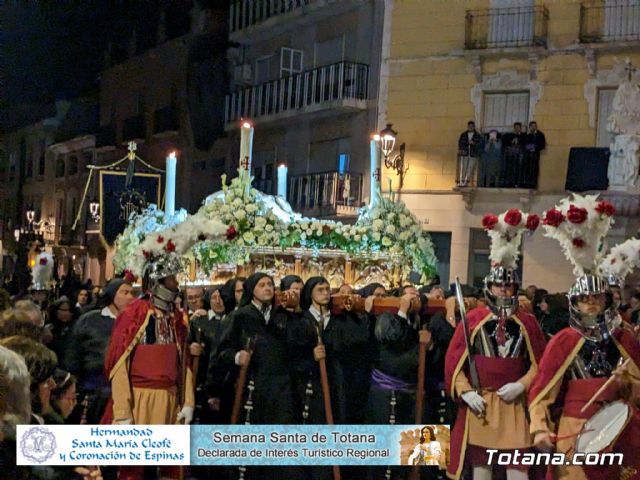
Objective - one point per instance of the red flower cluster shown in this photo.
(160, 239)
(489, 222)
(43, 261)
(170, 247)
(533, 221)
(576, 215)
(231, 233)
(513, 217)
(553, 217)
(578, 242)
(605, 208)
(146, 254)
(128, 276)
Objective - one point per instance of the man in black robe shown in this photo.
(535, 142)
(512, 151)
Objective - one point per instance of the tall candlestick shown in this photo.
(246, 144)
(170, 185)
(376, 171)
(282, 181)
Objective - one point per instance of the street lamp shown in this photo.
(94, 209)
(387, 143)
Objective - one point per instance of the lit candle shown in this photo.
(246, 144)
(170, 185)
(376, 170)
(282, 181)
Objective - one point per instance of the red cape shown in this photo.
(456, 362)
(563, 348)
(128, 329)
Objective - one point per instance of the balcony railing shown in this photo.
(506, 27)
(324, 193)
(134, 128)
(340, 81)
(617, 22)
(244, 13)
(166, 119)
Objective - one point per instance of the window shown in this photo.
(329, 155)
(43, 157)
(264, 70)
(60, 166)
(73, 165)
(605, 104)
(511, 26)
(621, 19)
(329, 52)
(502, 110)
(343, 163)
(290, 61)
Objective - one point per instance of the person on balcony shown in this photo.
(512, 148)
(535, 142)
(490, 161)
(470, 145)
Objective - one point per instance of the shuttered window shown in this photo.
(605, 104)
(502, 110)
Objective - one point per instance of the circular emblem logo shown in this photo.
(38, 444)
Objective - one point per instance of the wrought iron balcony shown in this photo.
(506, 27)
(346, 83)
(166, 120)
(244, 13)
(617, 22)
(325, 194)
(134, 128)
(106, 136)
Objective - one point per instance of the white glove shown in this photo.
(125, 421)
(185, 414)
(510, 391)
(475, 401)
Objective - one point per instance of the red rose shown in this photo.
(553, 217)
(43, 261)
(128, 276)
(578, 242)
(513, 217)
(576, 214)
(533, 221)
(145, 254)
(160, 239)
(170, 246)
(605, 208)
(489, 222)
(231, 233)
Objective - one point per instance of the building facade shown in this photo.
(306, 74)
(497, 62)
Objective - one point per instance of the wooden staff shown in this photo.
(602, 388)
(425, 339)
(242, 380)
(326, 394)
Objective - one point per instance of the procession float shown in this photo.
(385, 244)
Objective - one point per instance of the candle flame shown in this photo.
(282, 165)
(172, 155)
(376, 137)
(246, 125)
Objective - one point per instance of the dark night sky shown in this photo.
(55, 49)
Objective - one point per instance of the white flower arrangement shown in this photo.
(580, 225)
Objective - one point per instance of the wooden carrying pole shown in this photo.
(242, 380)
(326, 395)
(425, 338)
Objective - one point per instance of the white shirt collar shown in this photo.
(212, 314)
(267, 314)
(106, 312)
(318, 316)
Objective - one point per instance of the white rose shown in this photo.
(376, 237)
(268, 228)
(261, 222)
(386, 241)
(375, 214)
(248, 237)
(357, 237)
(391, 229)
(377, 225)
(309, 232)
(237, 202)
(240, 214)
(251, 208)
